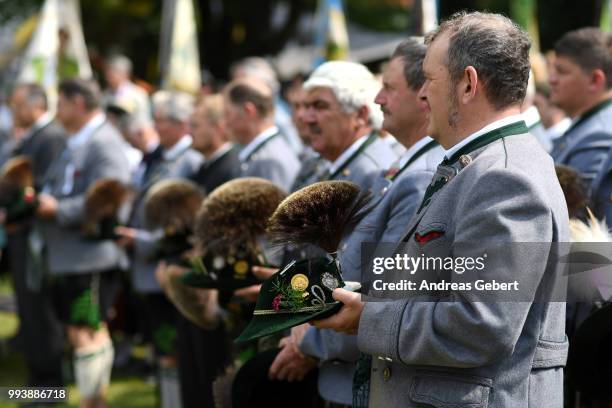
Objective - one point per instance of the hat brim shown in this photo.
(266, 325)
(261, 326)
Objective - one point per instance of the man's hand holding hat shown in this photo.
(347, 319)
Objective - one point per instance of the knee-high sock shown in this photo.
(169, 387)
(92, 369)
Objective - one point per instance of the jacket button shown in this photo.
(386, 374)
(465, 160)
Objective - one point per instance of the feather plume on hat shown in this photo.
(236, 213)
(593, 230)
(103, 200)
(229, 220)
(17, 195)
(172, 205)
(18, 170)
(319, 214)
(573, 190)
(15, 176)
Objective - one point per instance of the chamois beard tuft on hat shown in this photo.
(319, 214)
(573, 190)
(16, 174)
(172, 205)
(103, 200)
(593, 230)
(236, 213)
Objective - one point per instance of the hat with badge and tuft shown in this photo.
(17, 194)
(104, 200)
(319, 214)
(171, 206)
(573, 189)
(228, 229)
(299, 293)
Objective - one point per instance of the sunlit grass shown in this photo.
(124, 391)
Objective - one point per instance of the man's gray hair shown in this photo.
(259, 68)
(177, 106)
(412, 53)
(120, 63)
(495, 46)
(352, 84)
(35, 94)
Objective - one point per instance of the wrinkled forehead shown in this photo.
(437, 50)
(320, 94)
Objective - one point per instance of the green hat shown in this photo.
(101, 230)
(230, 272)
(103, 202)
(299, 293)
(171, 206)
(18, 203)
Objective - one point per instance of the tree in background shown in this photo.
(233, 29)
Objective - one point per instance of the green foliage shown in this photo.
(385, 15)
(18, 9)
(290, 298)
(124, 391)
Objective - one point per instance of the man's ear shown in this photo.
(250, 109)
(79, 102)
(597, 80)
(363, 116)
(468, 84)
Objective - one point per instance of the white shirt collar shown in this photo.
(85, 132)
(151, 146)
(220, 152)
(43, 121)
(179, 147)
(491, 126)
(531, 116)
(559, 128)
(255, 143)
(413, 150)
(339, 162)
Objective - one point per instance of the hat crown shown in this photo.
(301, 286)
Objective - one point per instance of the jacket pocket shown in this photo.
(447, 390)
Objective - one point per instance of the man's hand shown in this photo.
(297, 334)
(126, 235)
(290, 365)
(249, 293)
(347, 319)
(252, 292)
(47, 206)
(262, 272)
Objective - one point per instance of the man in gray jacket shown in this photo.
(496, 186)
(340, 116)
(249, 114)
(343, 123)
(396, 194)
(43, 142)
(82, 269)
(581, 85)
(176, 159)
